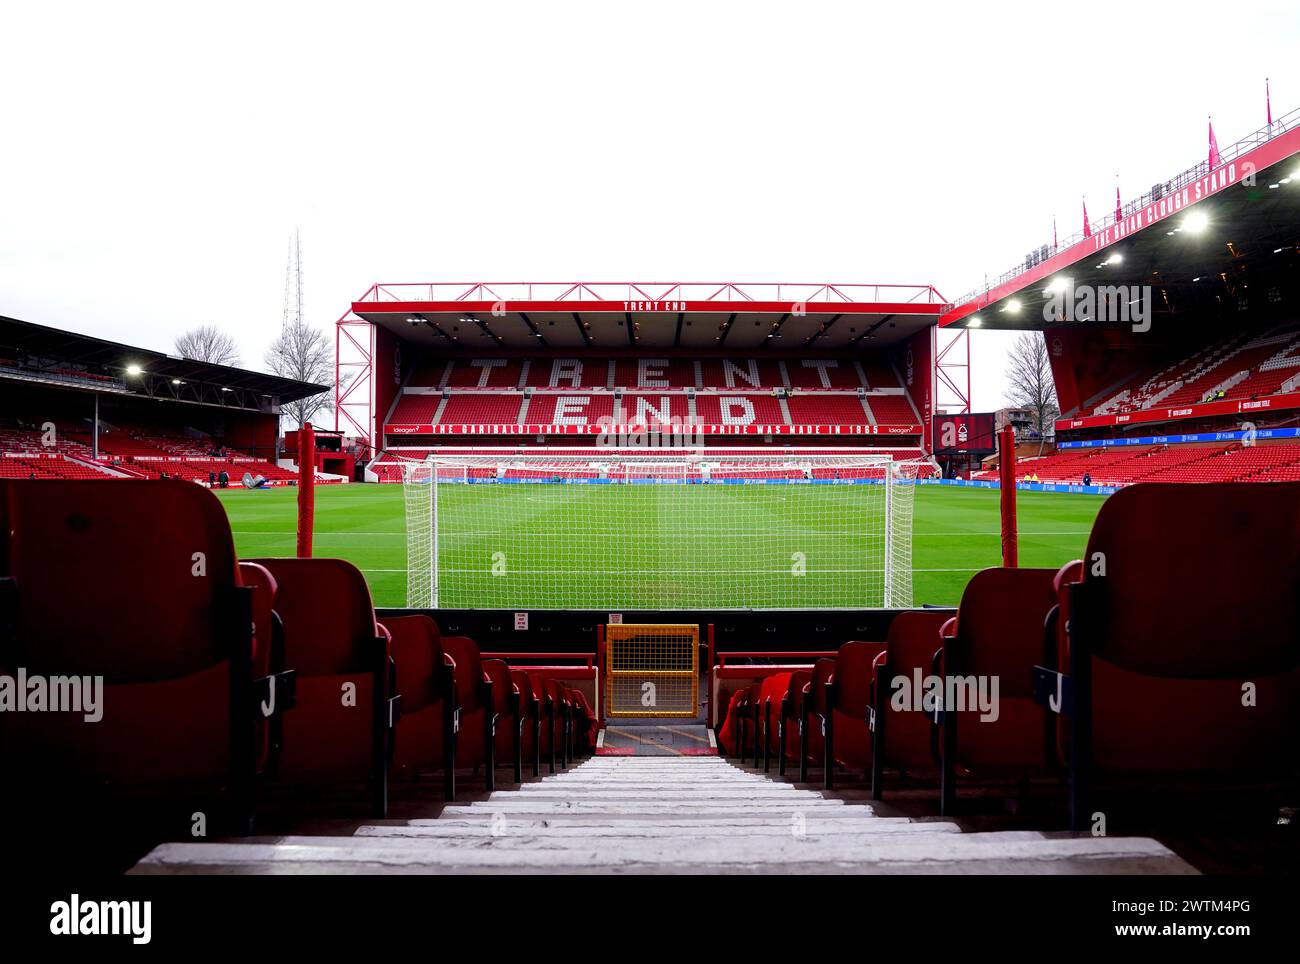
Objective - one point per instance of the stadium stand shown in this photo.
(654, 391)
(738, 409)
(552, 409)
(312, 652)
(826, 409)
(462, 409)
(1191, 462)
(1240, 365)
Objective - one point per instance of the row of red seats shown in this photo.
(742, 374)
(1264, 357)
(651, 409)
(224, 677)
(1168, 659)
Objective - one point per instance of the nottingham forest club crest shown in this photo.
(953, 434)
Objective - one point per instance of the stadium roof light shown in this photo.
(1013, 306)
(1059, 283)
(974, 322)
(134, 369)
(1196, 222)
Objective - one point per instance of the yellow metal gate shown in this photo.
(652, 670)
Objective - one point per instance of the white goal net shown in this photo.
(659, 531)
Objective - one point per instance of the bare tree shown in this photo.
(208, 343)
(1029, 380)
(302, 353)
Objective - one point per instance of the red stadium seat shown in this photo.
(996, 637)
(845, 712)
(268, 661)
(815, 703)
(585, 723)
(771, 693)
(504, 729)
(1183, 663)
(425, 685)
(528, 719)
(546, 714)
(561, 720)
(473, 746)
(729, 731)
(904, 739)
(88, 588)
(790, 721)
(339, 727)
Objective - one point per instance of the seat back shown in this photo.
(999, 639)
(334, 646)
(526, 693)
(823, 670)
(1000, 625)
(1200, 581)
(498, 672)
(1182, 623)
(794, 691)
(469, 671)
(853, 674)
(417, 654)
(105, 591)
(912, 642)
(329, 620)
(264, 615)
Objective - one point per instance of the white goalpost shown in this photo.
(660, 530)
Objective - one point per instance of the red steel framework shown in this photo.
(354, 342)
(726, 293)
(950, 349)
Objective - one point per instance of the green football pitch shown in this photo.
(567, 546)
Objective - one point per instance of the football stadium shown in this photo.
(682, 577)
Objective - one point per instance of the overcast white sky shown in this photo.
(156, 157)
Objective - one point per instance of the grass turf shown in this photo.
(734, 548)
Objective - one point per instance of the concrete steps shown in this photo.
(665, 815)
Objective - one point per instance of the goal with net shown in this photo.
(659, 531)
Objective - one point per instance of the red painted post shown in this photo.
(306, 488)
(1007, 477)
